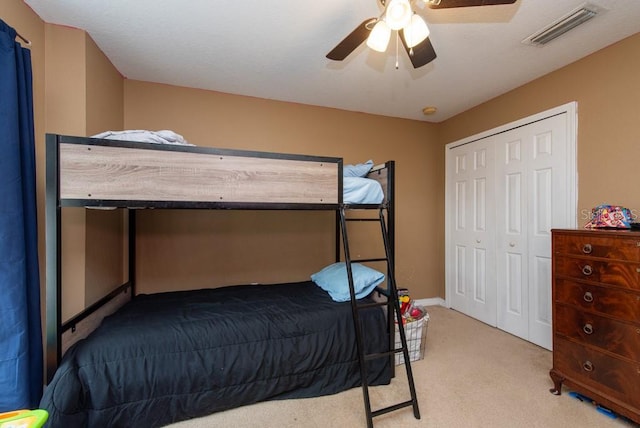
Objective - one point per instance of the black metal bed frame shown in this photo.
(55, 327)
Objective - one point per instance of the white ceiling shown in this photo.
(276, 49)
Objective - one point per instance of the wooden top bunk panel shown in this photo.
(99, 170)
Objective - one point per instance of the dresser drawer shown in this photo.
(611, 335)
(620, 274)
(621, 304)
(612, 377)
(589, 244)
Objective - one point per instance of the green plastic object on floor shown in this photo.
(23, 418)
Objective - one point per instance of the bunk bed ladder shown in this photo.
(391, 294)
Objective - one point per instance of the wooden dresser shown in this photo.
(596, 317)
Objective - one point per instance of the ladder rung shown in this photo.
(377, 259)
(385, 292)
(365, 206)
(362, 219)
(392, 408)
(377, 355)
(384, 354)
(397, 350)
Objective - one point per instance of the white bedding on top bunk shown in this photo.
(141, 135)
(359, 190)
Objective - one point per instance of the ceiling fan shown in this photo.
(412, 30)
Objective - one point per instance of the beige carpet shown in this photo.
(472, 376)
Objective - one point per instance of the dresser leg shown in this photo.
(557, 382)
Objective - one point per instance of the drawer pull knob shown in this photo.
(588, 328)
(588, 297)
(587, 249)
(588, 366)
(587, 270)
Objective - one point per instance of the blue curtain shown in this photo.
(20, 330)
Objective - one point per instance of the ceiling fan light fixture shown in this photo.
(398, 14)
(416, 31)
(379, 37)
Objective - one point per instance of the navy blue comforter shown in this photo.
(167, 357)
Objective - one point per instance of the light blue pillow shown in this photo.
(333, 279)
(359, 170)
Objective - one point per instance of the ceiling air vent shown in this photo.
(556, 29)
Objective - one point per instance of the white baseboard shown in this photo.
(434, 301)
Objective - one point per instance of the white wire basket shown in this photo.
(416, 334)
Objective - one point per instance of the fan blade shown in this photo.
(421, 54)
(445, 4)
(352, 41)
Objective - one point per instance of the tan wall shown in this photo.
(65, 113)
(198, 249)
(104, 91)
(105, 259)
(607, 89)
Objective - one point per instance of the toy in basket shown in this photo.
(414, 319)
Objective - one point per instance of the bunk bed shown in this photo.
(151, 360)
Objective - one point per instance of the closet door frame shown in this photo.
(570, 207)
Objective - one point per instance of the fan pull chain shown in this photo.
(397, 41)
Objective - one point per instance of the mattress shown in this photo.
(360, 190)
(173, 356)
